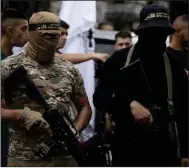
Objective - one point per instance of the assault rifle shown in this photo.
(64, 132)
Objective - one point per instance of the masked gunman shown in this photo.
(135, 92)
(58, 81)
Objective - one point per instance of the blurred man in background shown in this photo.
(74, 57)
(178, 46)
(14, 28)
(122, 40)
(64, 34)
(105, 26)
(14, 32)
(178, 54)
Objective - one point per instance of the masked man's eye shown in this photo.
(51, 36)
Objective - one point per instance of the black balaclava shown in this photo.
(153, 41)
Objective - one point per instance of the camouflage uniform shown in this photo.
(60, 82)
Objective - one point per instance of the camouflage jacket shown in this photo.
(60, 82)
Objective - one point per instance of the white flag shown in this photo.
(81, 16)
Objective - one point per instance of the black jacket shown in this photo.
(105, 101)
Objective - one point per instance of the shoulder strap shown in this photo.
(168, 72)
(168, 75)
(174, 129)
(129, 56)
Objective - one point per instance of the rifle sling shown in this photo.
(168, 72)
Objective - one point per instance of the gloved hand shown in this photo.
(34, 120)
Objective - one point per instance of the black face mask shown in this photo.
(152, 44)
(153, 35)
(153, 39)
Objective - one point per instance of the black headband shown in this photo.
(44, 26)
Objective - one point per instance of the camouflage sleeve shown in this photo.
(79, 92)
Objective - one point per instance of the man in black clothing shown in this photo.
(179, 41)
(133, 145)
(178, 56)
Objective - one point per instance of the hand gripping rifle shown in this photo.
(64, 132)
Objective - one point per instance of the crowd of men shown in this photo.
(142, 90)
